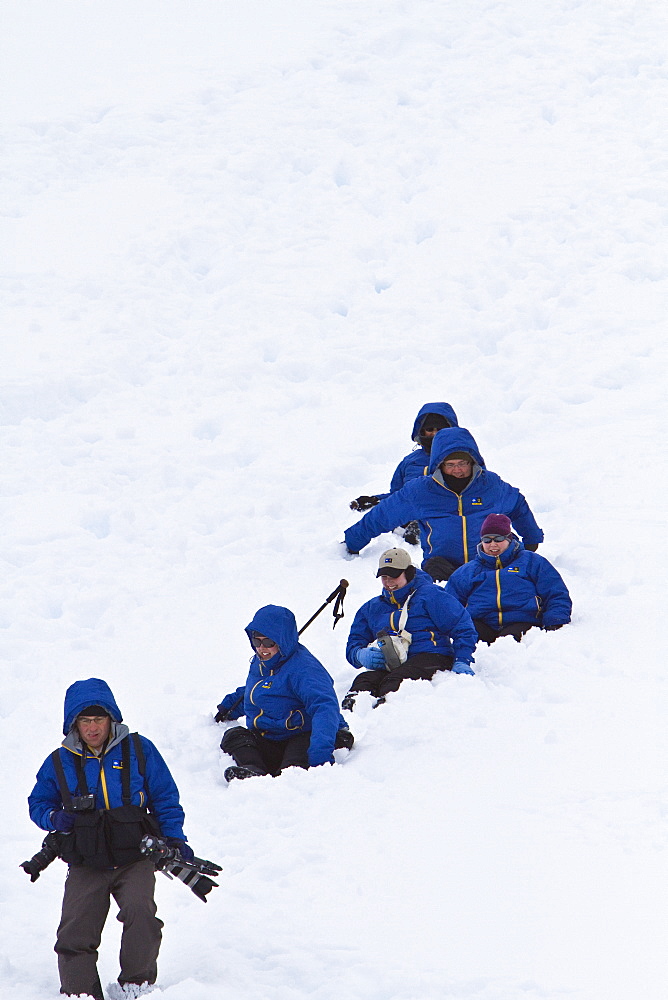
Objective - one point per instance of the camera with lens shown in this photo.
(50, 850)
(196, 874)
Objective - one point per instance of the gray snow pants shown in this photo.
(85, 908)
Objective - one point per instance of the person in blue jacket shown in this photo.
(431, 418)
(292, 712)
(103, 790)
(508, 590)
(412, 630)
(450, 505)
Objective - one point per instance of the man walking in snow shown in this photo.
(102, 790)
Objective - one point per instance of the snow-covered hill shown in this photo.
(242, 245)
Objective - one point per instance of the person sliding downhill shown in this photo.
(431, 418)
(291, 708)
(508, 590)
(450, 505)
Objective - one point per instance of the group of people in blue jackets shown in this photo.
(481, 578)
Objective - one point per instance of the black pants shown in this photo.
(273, 756)
(420, 667)
(489, 635)
(85, 908)
(439, 568)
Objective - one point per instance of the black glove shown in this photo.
(412, 533)
(62, 821)
(531, 548)
(364, 503)
(551, 628)
(220, 716)
(439, 568)
(185, 850)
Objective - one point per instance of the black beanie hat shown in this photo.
(92, 712)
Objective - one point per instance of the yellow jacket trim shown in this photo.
(261, 712)
(498, 590)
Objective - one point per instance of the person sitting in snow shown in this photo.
(411, 631)
(432, 417)
(508, 590)
(102, 790)
(450, 505)
(292, 712)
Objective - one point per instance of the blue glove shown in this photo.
(461, 667)
(370, 658)
(185, 850)
(62, 821)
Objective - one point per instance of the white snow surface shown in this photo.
(242, 244)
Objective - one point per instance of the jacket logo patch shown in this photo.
(513, 569)
(266, 685)
(476, 502)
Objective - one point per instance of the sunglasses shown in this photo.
(261, 641)
(493, 538)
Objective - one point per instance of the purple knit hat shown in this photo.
(496, 524)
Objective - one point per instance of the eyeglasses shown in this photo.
(96, 721)
(456, 465)
(493, 538)
(260, 641)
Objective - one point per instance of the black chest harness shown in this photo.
(104, 838)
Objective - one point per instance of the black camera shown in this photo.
(49, 852)
(82, 803)
(195, 874)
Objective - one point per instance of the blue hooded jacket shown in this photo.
(156, 789)
(416, 463)
(290, 693)
(449, 523)
(517, 586)
(435, 621)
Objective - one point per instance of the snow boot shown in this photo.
(242, 771)
(348, 703)
(128, 991)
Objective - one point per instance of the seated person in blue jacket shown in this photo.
(292, 712)
(431, 418)
(103, 790)
(412, 630)
(508, 590)
(450, 505)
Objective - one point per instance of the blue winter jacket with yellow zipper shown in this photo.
(517, 586)
(449, 523)
(155, 789)
(290, 693)
(435, 621)
(416, 463)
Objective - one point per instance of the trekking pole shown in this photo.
(337, 611)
